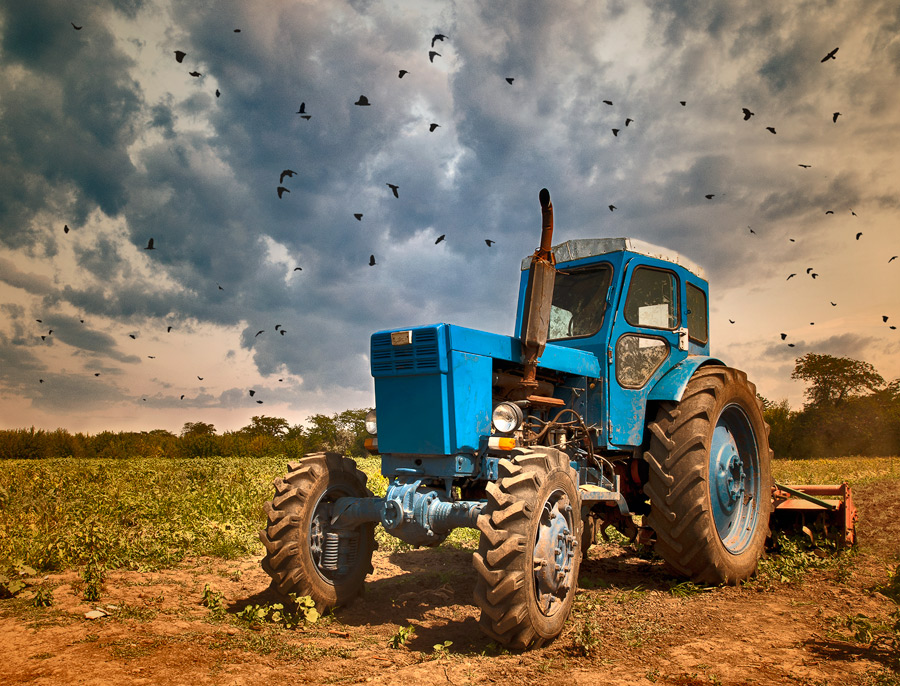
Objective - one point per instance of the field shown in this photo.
(163, 553)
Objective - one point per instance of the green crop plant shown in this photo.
(402, 636)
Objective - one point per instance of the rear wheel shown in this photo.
(527, 560)
(304, 554)
(710, 482)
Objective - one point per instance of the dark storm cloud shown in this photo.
(68, 117)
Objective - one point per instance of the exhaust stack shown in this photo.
(538, 299)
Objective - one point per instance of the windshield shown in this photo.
(579, 301)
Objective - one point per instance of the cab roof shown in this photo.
(592, 247)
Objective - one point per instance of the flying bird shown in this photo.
(770, 129)
(489, 242)
(709, 196)
(217, 93)
(814, 275)
(805, 166)
(302, 112)
(132, 336)
(179, 56)
(182, 397)
(77, 28)
(195, 74)
(200, 377)
(282, 331)
(281, 191)
(277, 326)
(607, 102)
(168, 329)
(363, 101)
(259, 402)
(731, 321)
(371, 260)
(884, 317)
(358, 216)
(858, 235)
(509, 80)
(835, 116)
(747, 113)
(783, 336)
(252, 392)
(432, 54)
(628, 120)
(220, 288)
(683, 103)
(259, 332)
(40, 381)
(432, 127)
(790, 345)
(288, 173)
(402, 73)
(615, 132)
(752, 231)
(830, 55)
(440, 238)
(437, 36)
(96, 373)
(829, 211)
(790, 277)
(613, 208)
(298, 269)
(150, 245)
(395, 189)
(66, 228)
(893, 258)
(237, 30)
(833, 304)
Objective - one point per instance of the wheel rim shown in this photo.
(554, 553)
(734, 479)
(334, 551)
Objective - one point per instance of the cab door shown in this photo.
(646, 340)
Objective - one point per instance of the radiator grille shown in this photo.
(421, 356)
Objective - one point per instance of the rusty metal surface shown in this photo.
(802, 507)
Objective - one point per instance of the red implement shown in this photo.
(809, 508)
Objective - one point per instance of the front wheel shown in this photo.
(304, 554)
(710, 482)
(528, 558)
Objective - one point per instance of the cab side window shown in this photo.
(652, 299)
(697, 324)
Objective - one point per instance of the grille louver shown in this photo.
(421, 356)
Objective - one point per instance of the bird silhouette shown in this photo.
(282, 190)
(259, 402)
(168, 329)
(814, 275)
(217, 93)
(302, 112)
(151, 357)
(40, 381)
(709, 196)
(96, 373)
(790, 277)
(884, 317)
(805, 166)
(440, 238)
(432, 54)
(835, 116)
(298, 269)
(200, 377)
(371, 260)
(402, 73)
(252, 392)
(150, 245)
(613, 208)
(237, 30)
(783, 336)
(489, 242)
(132, 336)
(752, 231)
(683, 103)
(858, 235)
(437, 36)
(195, 74)
(747, 113)
(277, 326)
(77, 28)
(358, 216)
(288, 173)
(282, 331)
(259, 332)
(790, 345)
(607, 102)
(830, 56)
(182, 397)
(66, 228)
(628, 121)
(509, 80)
(893, 258)
(179, 56)
(432, 127)
(615, 132)
(395, 189)
(220, 288)
(829, 211)
(731, 321)
(363, 101)
(771, 129)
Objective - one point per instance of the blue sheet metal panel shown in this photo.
(413, 414)
(426, 354)
(500, 347)
(470, 400)
(672, 385)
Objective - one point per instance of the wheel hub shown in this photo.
(554, 553)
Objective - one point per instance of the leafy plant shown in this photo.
(212, 600)
(43, 596)
(685, 589)
(441, 648)
(301, 609)
(403, 635)
(586, 640)
(93, 576)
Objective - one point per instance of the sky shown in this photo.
(105, 133)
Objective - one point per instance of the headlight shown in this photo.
(371, 424)
(507, 417)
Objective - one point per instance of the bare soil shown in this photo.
(627, 626)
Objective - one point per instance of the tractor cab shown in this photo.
(641, 310)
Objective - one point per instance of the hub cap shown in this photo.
(554, 553)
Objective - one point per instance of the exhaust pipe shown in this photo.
(538, 300)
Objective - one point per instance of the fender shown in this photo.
(672, 385)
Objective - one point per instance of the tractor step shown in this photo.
(810, 508)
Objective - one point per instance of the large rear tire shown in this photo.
(710, 480)
(528, 558)
(304, 555)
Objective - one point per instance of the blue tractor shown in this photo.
(606, 409)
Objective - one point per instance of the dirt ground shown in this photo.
(627, 626)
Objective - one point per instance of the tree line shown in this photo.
(343, 432)
(850, 410)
